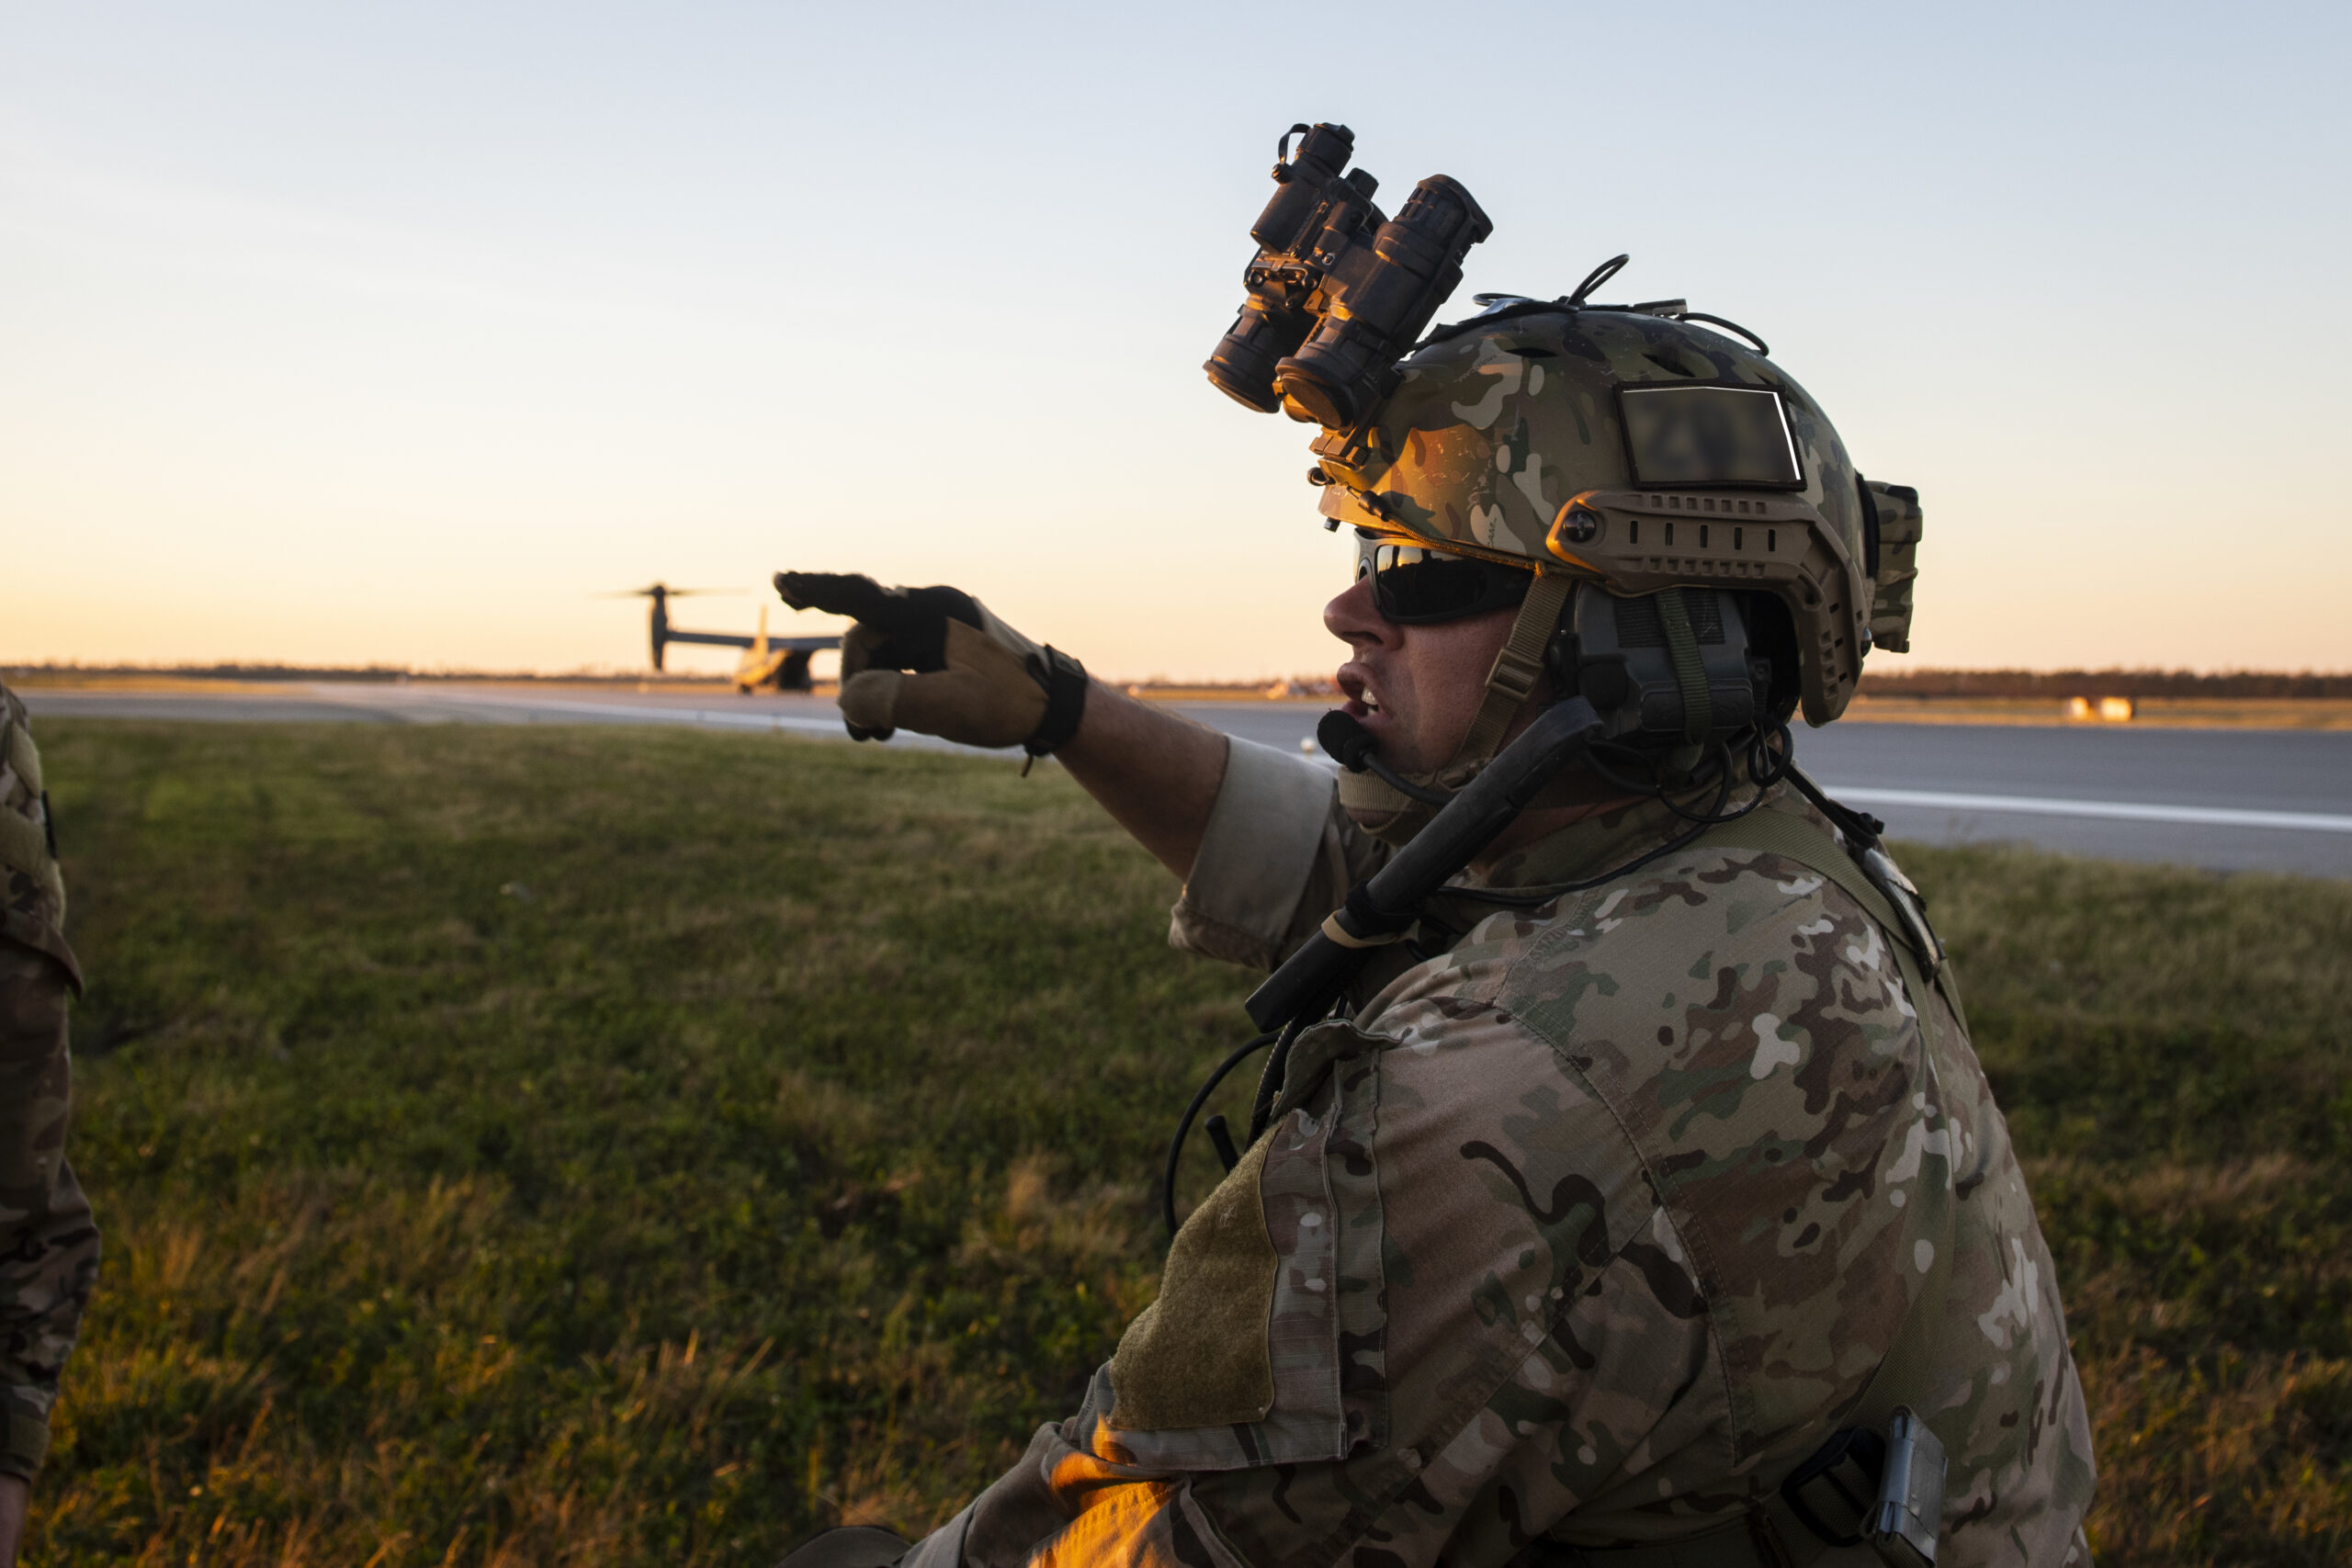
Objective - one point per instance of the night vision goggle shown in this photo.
(1415, 586)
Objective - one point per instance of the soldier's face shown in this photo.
(1415, 688)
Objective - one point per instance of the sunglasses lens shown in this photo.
(1411, 586)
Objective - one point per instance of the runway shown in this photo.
(2224, 799)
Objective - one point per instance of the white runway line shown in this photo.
(2112, 810)
(610, 710)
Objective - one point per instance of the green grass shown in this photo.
(535, 1145)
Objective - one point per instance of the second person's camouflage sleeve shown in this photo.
(49, 1247)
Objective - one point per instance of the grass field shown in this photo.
(539, 1145)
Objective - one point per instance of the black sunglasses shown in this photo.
(1412, 586)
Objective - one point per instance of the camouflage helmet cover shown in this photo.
(1506, 441)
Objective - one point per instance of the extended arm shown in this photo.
(1155, 772)
(935, 661)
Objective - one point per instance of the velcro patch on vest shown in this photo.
(1201, 1355)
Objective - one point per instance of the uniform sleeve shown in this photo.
(1477, 1320)
(1278, 856)
(49, 1248)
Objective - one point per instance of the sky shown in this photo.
(334, 334)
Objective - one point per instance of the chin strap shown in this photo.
(1517, 669)
(1690, 675)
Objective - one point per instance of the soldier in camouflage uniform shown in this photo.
(1587, 1217)
(49, 1248)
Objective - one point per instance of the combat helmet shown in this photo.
(1635, 450)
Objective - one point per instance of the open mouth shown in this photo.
(1363, 700)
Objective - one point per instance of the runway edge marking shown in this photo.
(2110, 810)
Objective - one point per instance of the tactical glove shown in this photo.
(934, 661)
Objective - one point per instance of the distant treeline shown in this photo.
(2060, 684)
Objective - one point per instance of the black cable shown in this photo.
(1762, 765)
(1715, 817)
(1270, 1082)
(1347, 742)
(1859, 825)
(1763, 779)
(1713, 814)
(1657, 789)
(1761, 347)
(1404, 785)
(1596, 278)
(1184, 1125)
(1563, 306)
(1577, 304)
(1611, 777)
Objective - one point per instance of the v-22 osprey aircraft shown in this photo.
(776, 663)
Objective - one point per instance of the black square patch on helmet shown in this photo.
(1709, 435)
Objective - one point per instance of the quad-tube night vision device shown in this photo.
(1338, 292)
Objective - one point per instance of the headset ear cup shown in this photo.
(1772, 634)
(1562, 654)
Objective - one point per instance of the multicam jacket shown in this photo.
(49, 1248)
(1580, 1233)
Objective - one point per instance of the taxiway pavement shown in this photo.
(2227, 800)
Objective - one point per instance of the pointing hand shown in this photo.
(934, 661)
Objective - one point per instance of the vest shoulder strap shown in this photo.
(1798, 839)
